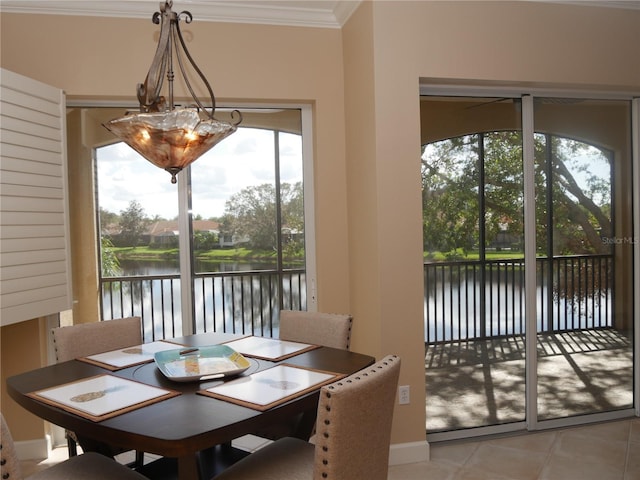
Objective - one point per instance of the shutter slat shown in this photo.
(32, 283)
(12, 245)
(30, 204)
(33, 257)
(26, 140)
(19, 178)
(34, 309)
(10, 124)
(27, 166)
(26, 271)
(31, 218)
(10, 110)
(26, 296)
(31, 231)
(38, 101)
(29, 191)
(21, 152)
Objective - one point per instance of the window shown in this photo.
(242, 208)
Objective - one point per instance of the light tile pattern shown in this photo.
(606, 451)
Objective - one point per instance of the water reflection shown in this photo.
(244, 298)
(463, 302)
(130, 268)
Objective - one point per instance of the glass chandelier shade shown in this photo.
(169, 137)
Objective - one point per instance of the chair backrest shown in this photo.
(85, 339)
(353, 428)
(9, 463)
(326, 329)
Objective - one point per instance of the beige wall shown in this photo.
(390, 48)
(363, 82)
(531, 43)
(15, 340)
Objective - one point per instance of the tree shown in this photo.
(203, 240)
(292, 220)
(109, 262)
(252, 214)
(108, 218)
(573, 173)
(448, 173)
(581, 209)
(133, 223)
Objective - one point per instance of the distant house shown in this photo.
(165, 232)
(111, 230)
(292, 234)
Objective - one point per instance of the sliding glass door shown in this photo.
(472, 180)
(528, 261)
(584, 249)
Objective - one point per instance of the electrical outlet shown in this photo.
(404, 394)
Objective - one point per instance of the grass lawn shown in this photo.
(470, 256)
(240, 254)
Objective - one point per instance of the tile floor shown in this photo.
(607, 451)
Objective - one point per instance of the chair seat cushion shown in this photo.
(90, 466)
(284, 459)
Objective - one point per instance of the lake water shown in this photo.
(246, 302)
(172, 267)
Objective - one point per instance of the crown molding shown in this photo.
(624, 4)
(302, 13)
(306, 13)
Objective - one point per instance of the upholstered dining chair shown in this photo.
(88, 466)
(316, 328)
(326, 329)
(353, 434)
(84, 339)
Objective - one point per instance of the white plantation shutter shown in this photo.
(34, 238)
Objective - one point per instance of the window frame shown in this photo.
(184, 217)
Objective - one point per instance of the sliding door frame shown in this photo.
(527, 95)
(635, 138)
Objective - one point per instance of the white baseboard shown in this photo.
(412, 452)
(33, 449)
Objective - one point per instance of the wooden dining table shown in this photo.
(187, 427)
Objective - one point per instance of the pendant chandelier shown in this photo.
(171, 137)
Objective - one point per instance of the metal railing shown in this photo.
(462, 300)
(245, 302)
(474, 300)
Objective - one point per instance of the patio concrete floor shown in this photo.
(482, 382)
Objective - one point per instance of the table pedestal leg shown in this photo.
(188, 468)
(306, 425)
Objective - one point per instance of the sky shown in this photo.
(243, 159)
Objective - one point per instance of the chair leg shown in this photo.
(139, 462)
(72, 446)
